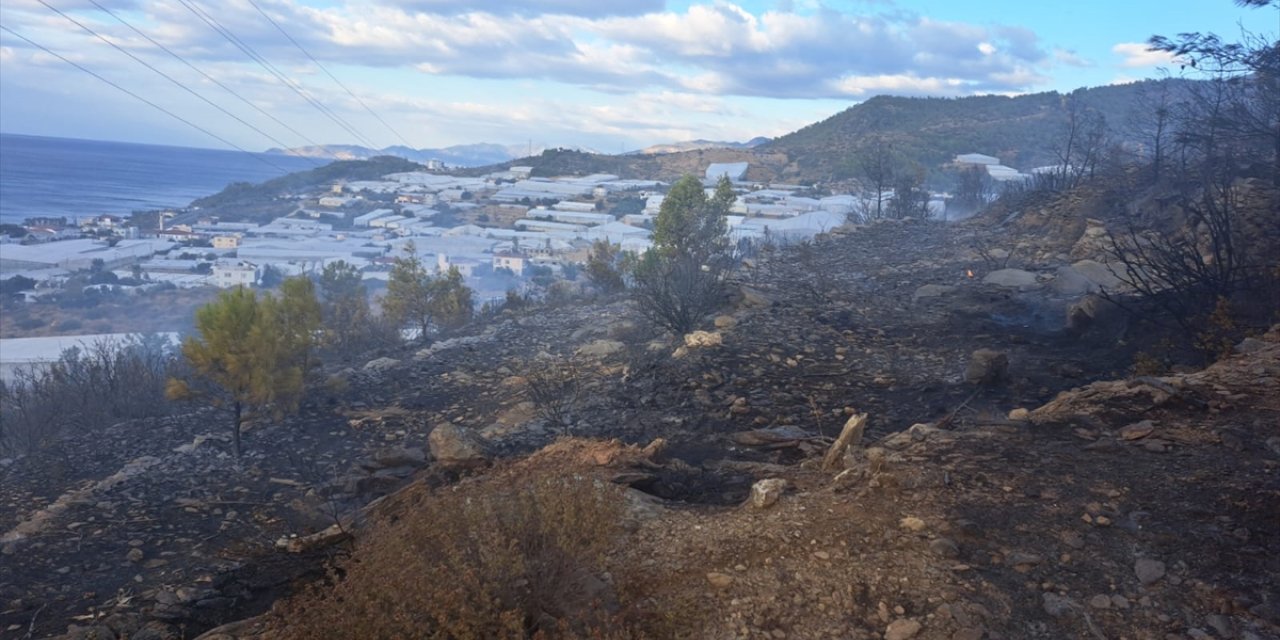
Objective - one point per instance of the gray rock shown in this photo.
(1056, 605)
(767, 492)
(380, 365)
(944, 547)
(388, 457)
(1097, 273)
(1068, 281)
(456, 448)
(135, 555)
(1148, 571)
(1012, 278)
(600, 348)
(987, 366)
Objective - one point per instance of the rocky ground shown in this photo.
(1139, 509)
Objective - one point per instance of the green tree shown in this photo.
(408, 298)
(681, 279)
(604, 267)
(450, 300)
(242, 359)
(689, 223)
(344, 307)
(299, 316)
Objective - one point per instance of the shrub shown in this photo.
(517, 563)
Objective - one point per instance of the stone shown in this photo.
(1148, 571)
(944, 547)
(719, 580)
(135, 555)
(380, 365)
(987, 366)
(1020, 415)
(1100, 602)
(703, 339)
(390, 457)
(1137, 430)
(1068, 281)
(932, 291)
(726, 322)
(600, 348)
(902, 629)
(1012, 278)
(767, 492)
(1097, 273)
(454, 447)
(754, 298)
(1055, 605)
(911, 523)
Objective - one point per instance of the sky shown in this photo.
(596, 74)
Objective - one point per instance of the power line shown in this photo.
(328, 73)
(205, 75)
(167, 112)
(162, 74)
(270, 68)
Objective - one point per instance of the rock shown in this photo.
(1100, 602)
(456, 448)
(703, 339)
(902, 629)
(911, 523)
(380, 365)
(944, 547)
(932, 291)
(1024, 560)
(1012, 278)
(1068, 281)
(1148, 571)
(135, 555)
(1056, 605)
(1097, 273)
(753, 298)
(726, 322)
(1250, 345)
(1020, 414)
(600, 348)
(1137, 430)
(390, 457)
(767, 492)
(719, 580)
(987, 366)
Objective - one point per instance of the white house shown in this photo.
(228, 273)
(509, 260)
(226, 242)
(975, 158)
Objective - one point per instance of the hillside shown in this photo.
(1112, 510)
(1020, 130)
(464, 155)
(246, 201)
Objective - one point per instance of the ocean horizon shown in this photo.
(45, 176)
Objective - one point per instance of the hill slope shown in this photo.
(1020, 130)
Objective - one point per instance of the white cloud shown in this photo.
(1138, 55)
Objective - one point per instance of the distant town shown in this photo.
(499, 230)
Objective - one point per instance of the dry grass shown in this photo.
(523, 562)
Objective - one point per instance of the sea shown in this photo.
(41, 176)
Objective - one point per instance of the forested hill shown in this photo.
(1020, 130)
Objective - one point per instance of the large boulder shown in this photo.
(1098, 273)
(1070, 282)
(1012, 278)
(600, 348)
(454, 447)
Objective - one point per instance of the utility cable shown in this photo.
(162, 74)
(167, 112)
(205, 75)
(213, 23)
(328, 73)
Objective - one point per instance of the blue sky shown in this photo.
(589, 73)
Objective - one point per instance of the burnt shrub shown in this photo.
(514, 562)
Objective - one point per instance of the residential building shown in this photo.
(229, 273)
